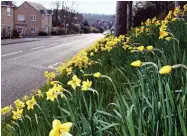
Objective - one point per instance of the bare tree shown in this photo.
(121, 18)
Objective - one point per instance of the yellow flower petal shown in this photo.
(56, 123)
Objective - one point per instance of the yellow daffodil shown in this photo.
(6, 110)
(149, 48)
(17, 114)
(140, 48)
(39, 93)
(74, 82)
(185, 8)
(97, 75)
(49, 75)
(51, 95)
(163, 34)
(19, 104)
(174, 19)
(60, 129)
(165, 69)
(137, 63)
(31, 103)
(25, 98)
(91, 54)
(169, 16)
(168, 38)
(157, 23)
(69, 70)
(176, 11)
(86, 84)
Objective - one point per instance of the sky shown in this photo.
(101, 7)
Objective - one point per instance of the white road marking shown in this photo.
(52, 66)
(11, 53)
(53, 44)
(37, 48)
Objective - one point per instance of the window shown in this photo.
(33, 29)
(21, 17)
(8, 11)
(33, 17)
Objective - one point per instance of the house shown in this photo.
(7, 21)
(30, 18)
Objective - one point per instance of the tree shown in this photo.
(121, 18)
(129, 15)
(57, 8)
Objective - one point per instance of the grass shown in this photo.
(131, 100)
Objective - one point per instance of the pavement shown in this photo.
(32, 38)
(23, 64)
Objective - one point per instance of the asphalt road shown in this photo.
(23, 64)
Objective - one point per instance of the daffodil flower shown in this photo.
(74, 82)
(19, 104)
(31, 103)
(51, 95)
(60, 129)
(86, 84)
(17, 114)
(91, 54)
(6, 110)
(163, 34)
(39, 93)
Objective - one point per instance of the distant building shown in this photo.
(7, 14)
(30, 18)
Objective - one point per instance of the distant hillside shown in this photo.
(92, 18)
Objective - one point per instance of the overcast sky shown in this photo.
(101, 7)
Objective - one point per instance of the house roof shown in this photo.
(39, 7)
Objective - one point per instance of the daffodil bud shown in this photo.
(149, 48)
(97, 75)
(165, 69)
(140, 48)
(137, 63)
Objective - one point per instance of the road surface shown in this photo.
(23, 64)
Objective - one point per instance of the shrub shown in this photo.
(86, 29)
(76, 28)
(15, 33)
(42, 33)
(61, 31)
(54, 32)
(101, 30)
(94, 30)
